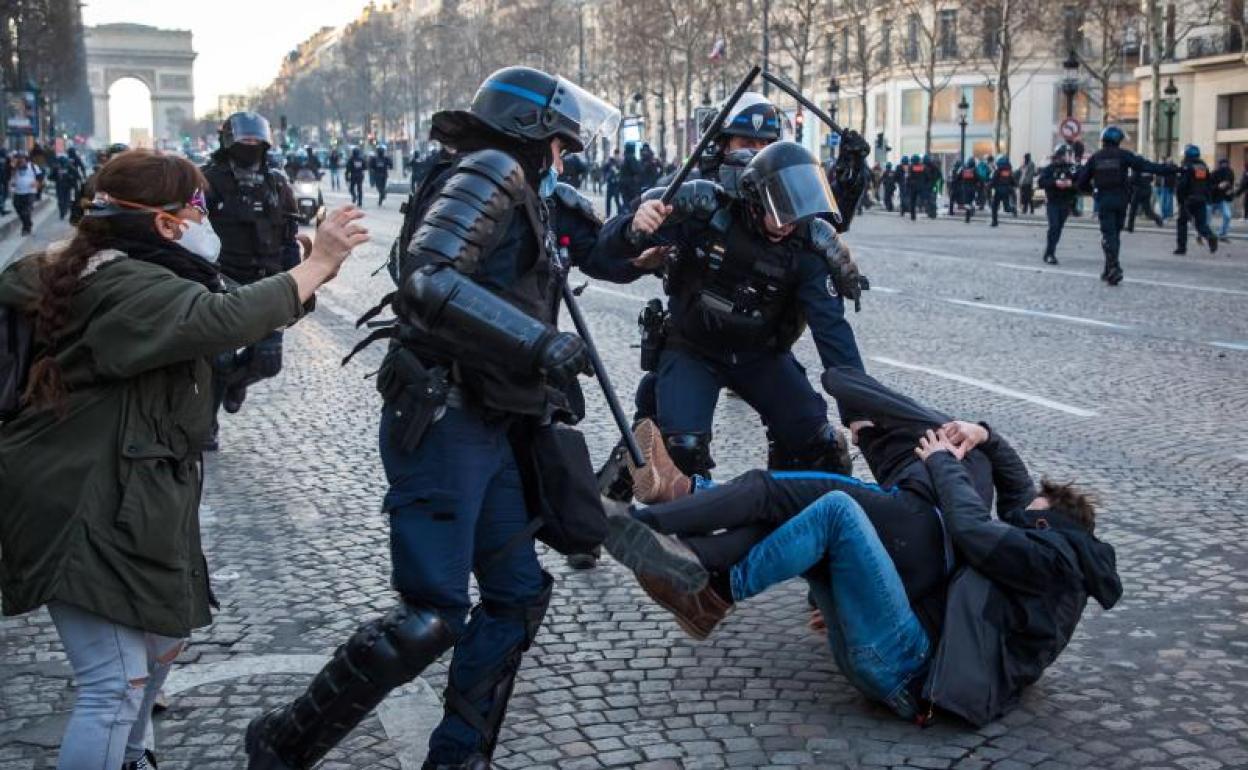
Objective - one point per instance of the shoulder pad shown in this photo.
(495, 165)
(653, 194)
(570, 198)
(823, 236)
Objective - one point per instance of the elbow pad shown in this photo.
(464, 315)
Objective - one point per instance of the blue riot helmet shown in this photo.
(246, 127)
(787, 183)
(1112, 136)
(1003, 160)
(970, 161)
(755, 117)
(927, 158)
(1191, 152)
(888, 166)
(903, 160)
(529, 105)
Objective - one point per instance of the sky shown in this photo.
(240, 43)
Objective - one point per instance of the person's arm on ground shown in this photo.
(1010, 477)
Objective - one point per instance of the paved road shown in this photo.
(1140, 392)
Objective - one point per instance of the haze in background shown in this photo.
(240, 45)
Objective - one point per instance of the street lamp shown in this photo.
(834, 93)
(1170, 96)
(963, 109)
(1070, 81)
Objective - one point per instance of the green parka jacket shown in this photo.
(99, 508)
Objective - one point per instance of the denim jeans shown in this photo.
(1166, 196)
(876, 638)
(1224, 208)
(119, 670)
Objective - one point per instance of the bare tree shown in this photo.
(931, 53)
(862, 60)
(799, 28)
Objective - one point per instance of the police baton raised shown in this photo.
(600, 371)
(789, 89)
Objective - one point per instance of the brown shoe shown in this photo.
(645, 551)
(659, 480)
(697, 613)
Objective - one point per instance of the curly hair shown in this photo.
(140, 176)
(1072, 502)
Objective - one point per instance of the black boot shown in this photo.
(381, 655)
(615, 481)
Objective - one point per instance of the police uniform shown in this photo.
(1058, 180)
(889, 181)
(356, 168)
(736, 304)
(1105, 173)
(968, 184)
(1193, 192)
(919, 185)
(379, 171)
(1142, 198)
(1002, 184)
(474, 371)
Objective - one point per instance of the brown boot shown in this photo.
(697, 613)
(659, 480)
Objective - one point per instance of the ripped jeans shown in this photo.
(118, 671)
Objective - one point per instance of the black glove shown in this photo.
(563, 356)
(699, 198)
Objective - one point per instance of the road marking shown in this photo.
(1145, 281)
(408, 715)
(1038, 313)
(1231, 345)
(988, 386)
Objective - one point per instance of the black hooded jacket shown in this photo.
(1013, 607)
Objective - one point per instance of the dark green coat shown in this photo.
(100, 508)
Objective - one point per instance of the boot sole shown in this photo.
(637, 547)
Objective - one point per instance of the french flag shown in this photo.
(717, 50)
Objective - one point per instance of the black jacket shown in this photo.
(1222, 184)
(1014, 606)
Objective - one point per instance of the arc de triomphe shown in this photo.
(161, 59)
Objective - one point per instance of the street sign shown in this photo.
(1071, 129)
(834, 139)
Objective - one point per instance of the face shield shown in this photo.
(795, 193)
(579, 116)
(250, 126)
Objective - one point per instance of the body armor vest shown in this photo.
(250, 221)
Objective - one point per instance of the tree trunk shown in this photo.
(931, 99)
(1156, 42)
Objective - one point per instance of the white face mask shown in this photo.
(201, 240)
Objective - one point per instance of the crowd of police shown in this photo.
(481, 388)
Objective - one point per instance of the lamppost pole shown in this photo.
(1070, 81)
(834, 93)
(1170, 96)
(963, 110)
(766, 44)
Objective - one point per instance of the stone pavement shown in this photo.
(1140, 392)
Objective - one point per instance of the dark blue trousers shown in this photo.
(773, 384)
(454, 502)
(1057, 212)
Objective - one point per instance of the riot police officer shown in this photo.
(379, 171)
(889, 181)
(1105, 174)
(968, 187)
(356, 168)
(1142, 198)
(953, 186)
(1058, 182)
(1003, 184)
(1193, 191)
(475, 371)
(919, 186)
(66, 175)
(253, 210)
(903, 183)
(752, 261)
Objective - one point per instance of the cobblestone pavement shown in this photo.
(1140, 392)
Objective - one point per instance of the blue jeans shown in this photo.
(1166, 196)
(1224, 208)
(118, 671)
(454, 502)
(876, 638)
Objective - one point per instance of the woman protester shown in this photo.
(100, 469)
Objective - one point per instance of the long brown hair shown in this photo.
(139, 176)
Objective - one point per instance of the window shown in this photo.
(881, 110)
(983, 104)
(912, 37)
(844, 50)
(946, 108)
(1233, 111)
(948, 34)
(992, 32)
(1123, 102)
(913, 107)
(886, 44)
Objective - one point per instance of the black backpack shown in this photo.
(17, 338)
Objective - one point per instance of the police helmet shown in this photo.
(970, 161)
(1003, 160)
(754, 117)
(786, 182)
(927, 157)
(245, 125)
(1191, 152)
(529, 105)
(903, 160)
(1113, 136)
(888, 166)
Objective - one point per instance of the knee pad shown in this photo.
(827, 451)
(394, 649)
(646, 400)
(691, 452)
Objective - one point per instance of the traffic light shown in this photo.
(798, 120)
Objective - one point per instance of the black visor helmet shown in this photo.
(786, 182)
(530, 105)
(245, 125)
(756, 118)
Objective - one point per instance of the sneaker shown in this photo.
(145, 762)
(655, 554)
(696, 613)
(659, 480)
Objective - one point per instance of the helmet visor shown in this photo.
(796, 193)
(591, 116)
(249, 125)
